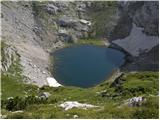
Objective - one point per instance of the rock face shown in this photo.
(144, 14)
(147, 17)
(17, 31)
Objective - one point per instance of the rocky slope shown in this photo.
(35, 29)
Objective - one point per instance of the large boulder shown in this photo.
(66, 21)
(136, 101)
(64, 35)
(44, 95)
(74, 104)
(52, 9)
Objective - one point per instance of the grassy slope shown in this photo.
(109, 101)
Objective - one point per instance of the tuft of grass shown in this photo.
(91, 42)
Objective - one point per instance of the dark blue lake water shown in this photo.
(85, 65)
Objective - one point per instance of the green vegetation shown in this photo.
(109, 96)
(87, 41)
(91, 41)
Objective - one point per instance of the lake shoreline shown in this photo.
(104, 45)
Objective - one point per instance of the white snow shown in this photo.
(74, 104)
(52, 82)
(137, 41)
(85, 22)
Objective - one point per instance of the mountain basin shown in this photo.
(85, 65)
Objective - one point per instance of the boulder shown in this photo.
(81, 27)
(64, 35)
(136, 101)
(44, 95)
(52, 9)
(85, 22)
(74, 104)
(66, 21)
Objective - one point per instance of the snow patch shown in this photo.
(52, 82)
(137, 42)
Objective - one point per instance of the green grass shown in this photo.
(108, 110)
(87, 41)
(91, 42)
(110, 104)
(12, 86)
(141, 83)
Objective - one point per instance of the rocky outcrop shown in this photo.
(44, 95)
(52, 9)
(144, 14)
(74, 104)
(136, 101)
(147, 17)
(9, 57)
